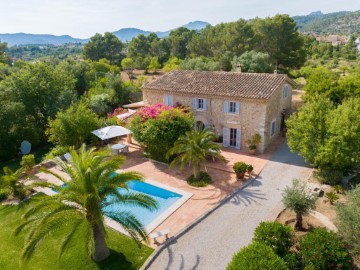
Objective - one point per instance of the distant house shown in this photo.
(234, 105)
(335, 40)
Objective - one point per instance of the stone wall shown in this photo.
(276, 105)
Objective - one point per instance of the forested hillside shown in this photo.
(344, 22)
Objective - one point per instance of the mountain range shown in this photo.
(124, 34)
(343, 22)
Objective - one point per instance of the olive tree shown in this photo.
(299, 199)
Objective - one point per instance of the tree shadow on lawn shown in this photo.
(117, 261)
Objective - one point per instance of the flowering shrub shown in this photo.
(158, 127)
(148, 112)
(116, 112)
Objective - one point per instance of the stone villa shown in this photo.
(234, 105)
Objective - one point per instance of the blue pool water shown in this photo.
(165, 199)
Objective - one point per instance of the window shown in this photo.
(199, 104)
(168, 100)
(231, 107)
(233, 136)
(273, 128)
(286, 91)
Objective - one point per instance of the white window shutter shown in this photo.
(237, 108)
(225, 137)
(195, 103)
(226, 106)
(204, 104)
(238, 138)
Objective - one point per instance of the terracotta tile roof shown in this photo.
(218, 83)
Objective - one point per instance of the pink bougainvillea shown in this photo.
(152, 111)
(116, 112)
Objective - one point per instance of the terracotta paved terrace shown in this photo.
(203, 199)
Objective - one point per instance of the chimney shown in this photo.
(238, 68)
(275, 71)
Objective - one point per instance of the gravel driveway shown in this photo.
(212, 243)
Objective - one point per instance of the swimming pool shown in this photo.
(169, 200)
(164, 197)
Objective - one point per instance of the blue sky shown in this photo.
(84, 18)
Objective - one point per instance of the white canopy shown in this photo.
(109, 132)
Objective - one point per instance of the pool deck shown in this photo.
(203, 199)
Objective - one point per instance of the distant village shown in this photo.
(336, 40)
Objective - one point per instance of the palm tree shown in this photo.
(299, 198)
(84, 201)
(194, 148)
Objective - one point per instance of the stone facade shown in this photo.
(255, 115)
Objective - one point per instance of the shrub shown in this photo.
(349, 220)
(27, 161)
(331, 196)
(329, 177)
(293, 261)
(274, 235)
(158, 127)
(73, 126)
(240, 167)
(256, 256)
(57, 151)
(339, 189)
(3, 194)
(203, 181)
(324, 250)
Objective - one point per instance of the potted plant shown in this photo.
(253, 141)
(249, 169)
(240, 169)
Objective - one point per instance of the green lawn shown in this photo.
(125, 254)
